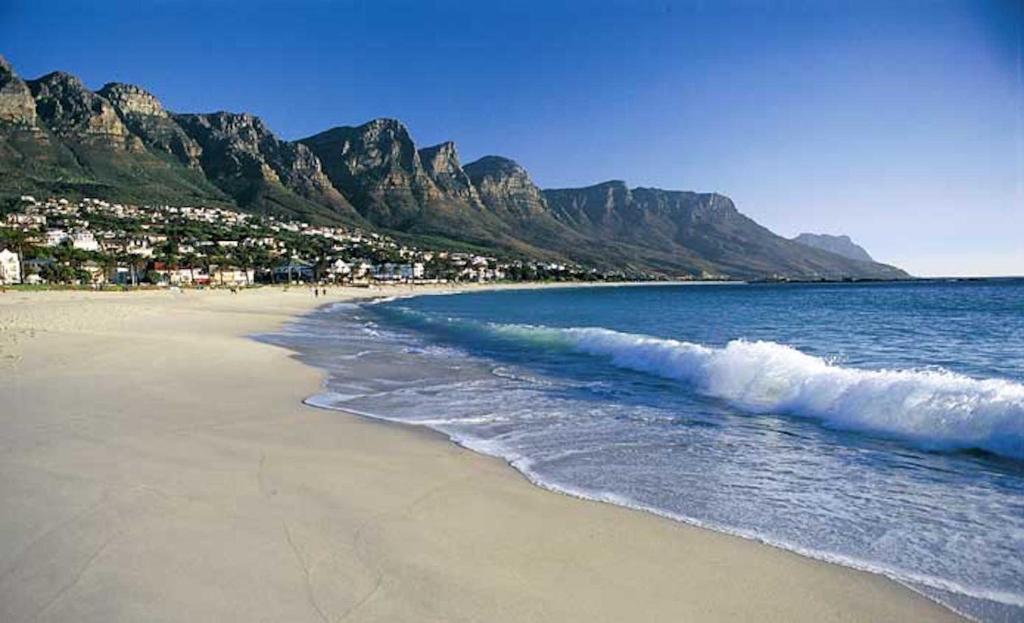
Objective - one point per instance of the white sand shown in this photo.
(156, 465)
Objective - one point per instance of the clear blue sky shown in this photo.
(899, 123)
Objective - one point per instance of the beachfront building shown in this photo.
(97, 273)
(399, 272)
(293, 270)
(231, 276)
(10, 267)
(180, 276)
(339, 269)
(361, 269)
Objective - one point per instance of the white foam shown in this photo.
(933, 408)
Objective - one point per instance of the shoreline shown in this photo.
(434, 435)
(265, 509)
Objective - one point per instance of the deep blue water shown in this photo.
(879, 426)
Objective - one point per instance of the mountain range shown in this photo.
(58, 137)
(840, 245)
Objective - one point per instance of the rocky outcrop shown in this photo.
(244, 158)
(840, 245)
(28, 151)
(377, 167)
(82, 145)
(73, 112)
(505, 187)
(441, 163)
(16, 103)
(702, 233)
(599, 208)
(132, 100)
(394, 185)
(145, 117)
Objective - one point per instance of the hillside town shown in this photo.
(91, 242)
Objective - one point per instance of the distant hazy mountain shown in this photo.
(59, 137)
(840, 245)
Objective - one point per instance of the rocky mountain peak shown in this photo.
(441, 163)
(376, 165)
(16, 103)
(442, 157)
(242, 156)
(244, 129)
(72, 111)
(130, 99)
(505, 187)
(496, 166)
(145, 117)
(384, 126)
(840, 245)
(387, 140)
(231, 144)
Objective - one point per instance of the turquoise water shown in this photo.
(878, 426)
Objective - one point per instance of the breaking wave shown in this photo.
(935, 409)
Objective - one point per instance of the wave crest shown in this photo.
(935, 409)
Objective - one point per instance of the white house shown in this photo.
(55, 236)
(10, 267)
(339, 268)
(360, 268)
(139, 248)
(85, 241)
(231, 275)
(398, 272)
(177, 276)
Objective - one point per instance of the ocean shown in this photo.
(877, 426)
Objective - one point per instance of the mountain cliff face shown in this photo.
(377, 166)
(441, 163)
(16, 103)
(146, 118)
(697, 232)
(395, 186)
(79, 144)
(28, 151)
(75, 113)
(261, 172)
(58, 137)
(840, 245)
(506, 188)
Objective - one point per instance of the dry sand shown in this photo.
(157, 465)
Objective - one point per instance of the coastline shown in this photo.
(159, 464)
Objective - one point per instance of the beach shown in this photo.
(159, 465)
